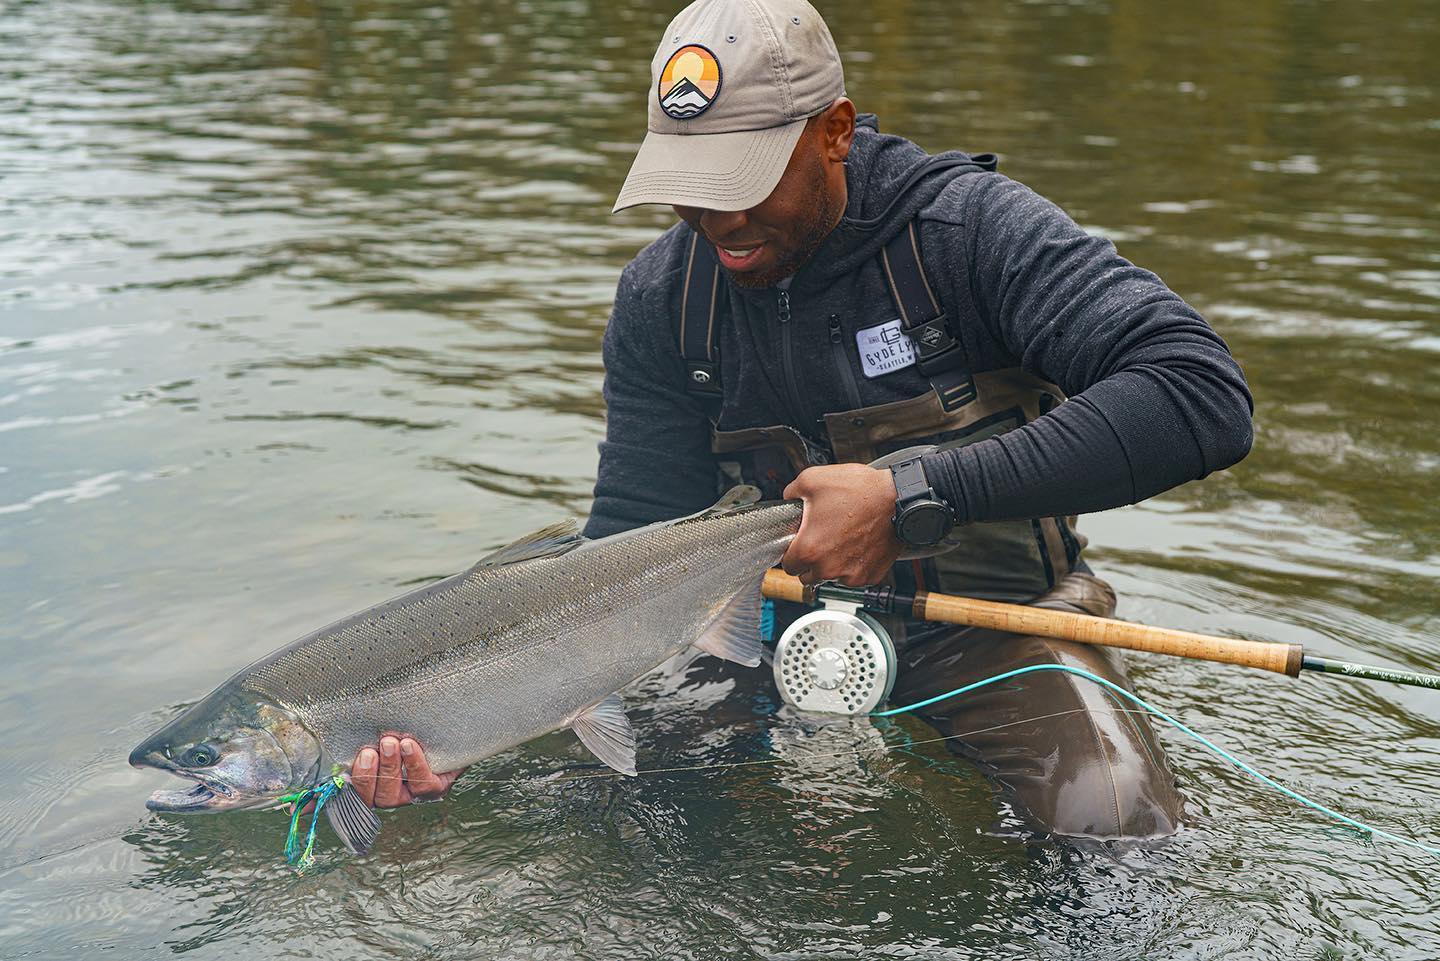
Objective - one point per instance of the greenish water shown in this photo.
(300, 304)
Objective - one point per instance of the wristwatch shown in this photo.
(921, 519)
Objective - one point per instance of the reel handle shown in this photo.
(1061, 625)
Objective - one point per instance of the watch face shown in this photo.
(924, 524)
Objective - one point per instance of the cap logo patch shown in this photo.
(689, 83)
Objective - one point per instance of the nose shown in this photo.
(146, 755)
(719, 224)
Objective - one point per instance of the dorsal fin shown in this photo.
(549, 541)
(741, 495)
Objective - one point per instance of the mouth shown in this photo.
(202, 796)
(739, 258)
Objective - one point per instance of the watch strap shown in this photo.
(910, 481)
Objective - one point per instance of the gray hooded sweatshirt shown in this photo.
(1155, 399)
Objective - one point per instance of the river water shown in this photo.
(301, 304)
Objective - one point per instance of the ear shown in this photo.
(838, 129)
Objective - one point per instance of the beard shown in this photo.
(823, 214)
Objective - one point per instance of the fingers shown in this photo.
(362, 774)
(797, 563)
(389, 777)
(423, 782)
(797, 559)
(397, 773)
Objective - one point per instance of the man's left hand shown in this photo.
(397, 774)
(845, 533)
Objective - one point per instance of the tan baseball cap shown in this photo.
(732, 85)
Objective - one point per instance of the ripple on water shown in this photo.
(300, 305)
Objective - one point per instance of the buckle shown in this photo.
(702, 378)
(941, 360)
(931, 338)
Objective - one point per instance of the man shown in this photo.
(831, 295)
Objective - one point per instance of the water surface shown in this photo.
(300, 305)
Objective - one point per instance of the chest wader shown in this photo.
(1014, 561)
(1088, 769)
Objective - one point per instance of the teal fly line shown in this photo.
(303, 857)
(1178, 725)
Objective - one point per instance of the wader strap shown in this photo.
(938, 355)
(698, 328)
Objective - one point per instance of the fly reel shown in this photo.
(835, 662)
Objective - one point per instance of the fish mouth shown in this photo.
(203, 795)
(200, 797)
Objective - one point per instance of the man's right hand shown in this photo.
(845, 533)
(397, 774)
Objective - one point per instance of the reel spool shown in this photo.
(835, 662)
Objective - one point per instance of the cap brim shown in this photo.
(718, 171)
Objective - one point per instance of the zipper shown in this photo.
(792, 389)
(842, 361)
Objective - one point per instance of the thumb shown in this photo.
(795, 560)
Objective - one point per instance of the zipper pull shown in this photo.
(784, 306)
(834, 328)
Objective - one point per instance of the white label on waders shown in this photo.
(884, 349)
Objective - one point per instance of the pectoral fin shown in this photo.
(606, 731)
(549, 541)
(354, 823)
(735, 632)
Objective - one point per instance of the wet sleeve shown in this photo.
(1155, 399)
(655, 461)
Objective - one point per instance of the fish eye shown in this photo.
(202, 755)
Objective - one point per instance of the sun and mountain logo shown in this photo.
(689, 82)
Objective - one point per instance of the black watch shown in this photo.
(921, 519)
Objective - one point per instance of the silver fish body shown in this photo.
(528, 641)
(497, 655)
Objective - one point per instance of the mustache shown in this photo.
(734, 243)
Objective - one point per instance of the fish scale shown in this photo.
(497, 655)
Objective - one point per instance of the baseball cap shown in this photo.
(731, 86)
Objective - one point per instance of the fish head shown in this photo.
(240, 753)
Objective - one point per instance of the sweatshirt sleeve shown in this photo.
(1155, 399)
(655, 461)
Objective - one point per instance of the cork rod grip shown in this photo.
(1107, 632)
(786, 587)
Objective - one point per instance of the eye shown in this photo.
(202, 756)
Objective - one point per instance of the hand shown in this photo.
(845, 533)
(397, 774)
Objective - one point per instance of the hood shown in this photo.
(889, 180)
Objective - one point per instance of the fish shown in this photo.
(537, 637)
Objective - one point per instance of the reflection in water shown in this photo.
(302, 304)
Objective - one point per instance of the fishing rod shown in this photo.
(843, 662)
(1281, 658)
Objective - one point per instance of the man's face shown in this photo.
(770, 241)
